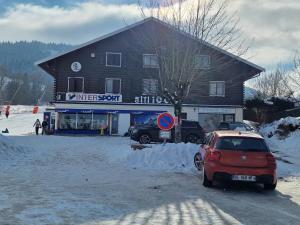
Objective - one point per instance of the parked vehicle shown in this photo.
(191, 131)
(239, 126)
(237, 156)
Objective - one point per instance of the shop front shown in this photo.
(105, 122)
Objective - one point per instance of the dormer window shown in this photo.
(113, 59)
(202, 62)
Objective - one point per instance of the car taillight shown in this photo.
(271, 161)
(214, 156)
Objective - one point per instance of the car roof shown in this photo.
(232, 133)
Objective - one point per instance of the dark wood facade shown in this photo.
(131, 72)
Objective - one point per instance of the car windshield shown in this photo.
(242, 144)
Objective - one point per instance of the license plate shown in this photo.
(244, 178)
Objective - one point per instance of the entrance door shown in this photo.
(114, 121)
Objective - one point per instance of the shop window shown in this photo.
(84, 121)
(217, 88)
(100, 121)
(150, 61)
(113, 59)
(67, 121)
(75, 84)
(202, 61)
(113, 85)
(150, 87)
(142, 119)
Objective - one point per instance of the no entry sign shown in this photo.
(165, 121)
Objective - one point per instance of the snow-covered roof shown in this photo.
(142, 22)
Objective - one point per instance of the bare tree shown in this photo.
(294, 76)
(209, 26)
(274, 84)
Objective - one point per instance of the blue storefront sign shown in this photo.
(88, 97)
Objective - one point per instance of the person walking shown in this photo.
(44, 127)
(7, 111)
(37, 126)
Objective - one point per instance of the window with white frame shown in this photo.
(217, 88)
(150, 61)
(113, 85)
(150, 86)
(75, 84)
(113, 59)
(202, 61)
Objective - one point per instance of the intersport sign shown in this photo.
(88, 97)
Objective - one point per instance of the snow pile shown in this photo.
(269, 130)
(170, 157)
(8, 149)
(286, 148)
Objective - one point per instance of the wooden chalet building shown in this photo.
(112, 82)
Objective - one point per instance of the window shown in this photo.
(100, 121)
(150, 86)
(113, 85)
(150, 61)
(217, 88)
(84, 121)
(242, 144)
(75, 84)
(67, 121)
(113, 59)
(202, 61)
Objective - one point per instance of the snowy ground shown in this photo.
(100, 180)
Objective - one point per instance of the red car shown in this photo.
(237, 156)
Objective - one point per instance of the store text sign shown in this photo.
(146, 99)
(87, 97)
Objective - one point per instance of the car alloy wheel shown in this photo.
(198, 161)
(145, 139)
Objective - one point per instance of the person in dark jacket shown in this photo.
(44, 127)
(37, 126)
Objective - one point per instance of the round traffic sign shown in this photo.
(165, 121)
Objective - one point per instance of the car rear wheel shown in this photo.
(145, 139)
(270, 186)
(192, 138)
(205, 181)
(198, 161)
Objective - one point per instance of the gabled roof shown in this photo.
(142, 22)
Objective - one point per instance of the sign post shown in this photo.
(165, 122)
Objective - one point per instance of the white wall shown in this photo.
(124, 123)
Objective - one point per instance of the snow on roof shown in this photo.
(142, 22)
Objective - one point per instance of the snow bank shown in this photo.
(270, 128)
(170, 157)
(286, 148)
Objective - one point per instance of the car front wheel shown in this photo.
(145, 139)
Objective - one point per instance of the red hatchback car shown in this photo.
(238, 156)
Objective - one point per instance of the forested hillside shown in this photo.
(21, 82)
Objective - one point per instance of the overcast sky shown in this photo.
(274, 25)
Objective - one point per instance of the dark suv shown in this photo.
(191, 131)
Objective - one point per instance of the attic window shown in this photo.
(202, 61)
